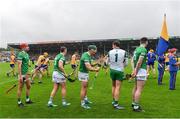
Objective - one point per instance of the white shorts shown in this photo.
(141, 75)
(57, 77)
(83, 76)
(24, 78)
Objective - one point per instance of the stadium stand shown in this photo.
(103, 45)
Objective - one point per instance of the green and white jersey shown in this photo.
(117, 59)
(24, 57)
(59, 57)
(140, 52)
(85, 58)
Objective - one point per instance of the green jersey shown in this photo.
(24, 57)
(140, 51)
(84, 59)
(59, 57)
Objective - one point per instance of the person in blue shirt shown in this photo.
(161, 68)
(173, 68)
(151, 57)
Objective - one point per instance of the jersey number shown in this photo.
(116, 57)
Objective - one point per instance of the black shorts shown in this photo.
(150, 63)
(167, 63)
(38, 68)
(44, 66)
(105, 66)
(73, 66)
(12, 65)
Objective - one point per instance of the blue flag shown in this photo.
(163, 43)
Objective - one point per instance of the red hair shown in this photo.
(23, 45)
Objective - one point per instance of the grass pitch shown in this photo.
(157, 101)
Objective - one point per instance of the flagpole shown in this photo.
(164, 17)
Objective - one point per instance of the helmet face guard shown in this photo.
(45, 54)
(70, 79)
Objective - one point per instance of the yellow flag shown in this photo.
(164, 32)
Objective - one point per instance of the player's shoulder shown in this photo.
(72, 56)
(12, 56)
(111, 51)
(115, 50)
(47, 59)
(85, 54)
(21, 53)
(122, 50)
(57, 56)
(142, 49)
(41, 56)
(171, 57)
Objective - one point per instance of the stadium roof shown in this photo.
(80, 41)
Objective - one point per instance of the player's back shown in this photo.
(117, 59)
(12, 61)
(41, 60)
(140, 51)
(151, 57)
(73, 59)
(166, 57)
(58, 57)
(46, 61)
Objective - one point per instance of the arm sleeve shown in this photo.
(125, 59)
(172, 61)
(154, 57)
(143, 53)
(20, 56)
(62, 59)
(86, 60)
(107, 60)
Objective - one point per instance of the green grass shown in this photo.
(157, 101)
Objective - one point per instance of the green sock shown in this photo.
(63, 100)
(19, 100)
(51, 99)
(133, 103)
(27, 98)
(85, 98)
(82, 102)
(115, 102)
(136, 105)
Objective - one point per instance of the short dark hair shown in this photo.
(90, 47)
(62, 49)
(143, 40)
(116, 43)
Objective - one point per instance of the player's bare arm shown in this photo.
(138, 65)
(61, 68)
(19, 70)
(90, 68)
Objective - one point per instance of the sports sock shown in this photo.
(133, 103)
(115, 103)
(27, 98)
(136, 105)
(63, 99)
(82, 102)
(19, 100)
(51, 99)
(113, 99)
(85, 98)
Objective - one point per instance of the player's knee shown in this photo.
(138, 92)
(28, 87)
(20, 86)
(63, 86)
(84, 86)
